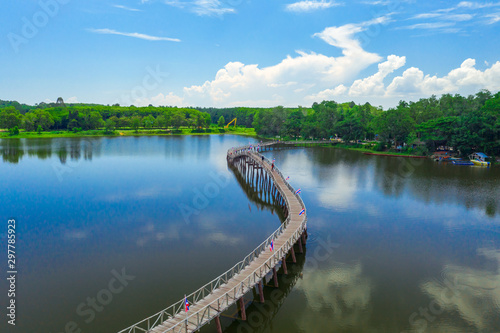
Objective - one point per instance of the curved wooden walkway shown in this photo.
(208, 302)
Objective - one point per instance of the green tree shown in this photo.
(29, 122)
(293, 124)
(43, 119)
(95, 120)
(149, 121)
(395, 124)
(178, 119)
(110, 126)
(221, 122)
(10, 118)
(136, 123)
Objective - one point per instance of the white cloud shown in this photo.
(374, 85)
(72, 100)
(465, 79)
(458, 17)
(203, 7)
(477, 5)
(170, 99)
(134, 35)
(426, 16)
(310, 5)
(493, 18)
(289, 81)
(127, 8)
(377, 2)
(430, 26)
(412, 84)
(328, 94)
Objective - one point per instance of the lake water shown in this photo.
(395, 245)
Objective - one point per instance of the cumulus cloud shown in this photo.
(310, 5)
(465, 79)
(413, 83)
(374, 85)
(289, 81)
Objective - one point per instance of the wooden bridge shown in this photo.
(208, 302)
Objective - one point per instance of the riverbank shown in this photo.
(368, 151)
(127, 132)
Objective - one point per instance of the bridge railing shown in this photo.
(210, 311)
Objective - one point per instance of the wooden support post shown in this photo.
(294, 260)
(301, 250)
(285, 270)
(218, 325)
(242, 309)
(261, 292)
(304, 238)
(275, 275)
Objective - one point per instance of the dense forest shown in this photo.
(466, 124)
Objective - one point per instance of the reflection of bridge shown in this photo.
(208, 302)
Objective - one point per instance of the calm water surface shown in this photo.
(396, 245)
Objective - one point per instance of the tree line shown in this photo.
(91, 117)
(467, 124)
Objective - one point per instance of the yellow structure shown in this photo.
(230, 123)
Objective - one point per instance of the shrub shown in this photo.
(14, 131)
(379, 146)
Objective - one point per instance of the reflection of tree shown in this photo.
(468, 295)
(426, 180)
(63, 154)
(12, 150)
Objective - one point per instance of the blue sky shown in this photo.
(246, 52)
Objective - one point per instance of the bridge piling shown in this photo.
(241, 301)
(285, 270)
(218, 325)
(275, 277)
(261, 292)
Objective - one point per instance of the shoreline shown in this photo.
(121, 133)
(394, 155)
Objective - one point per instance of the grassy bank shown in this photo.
(128, 132)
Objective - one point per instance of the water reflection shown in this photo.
(338, 298)
(465, 294)
(347, 179)
(260, 316)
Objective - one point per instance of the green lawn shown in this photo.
(129, 132)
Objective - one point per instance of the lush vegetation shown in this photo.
(465, 123)
(85, 117)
